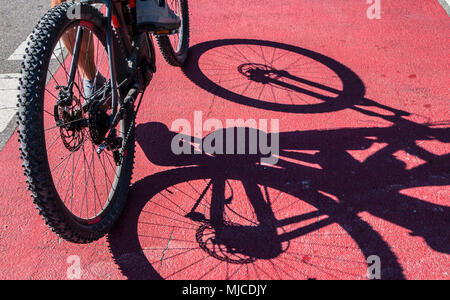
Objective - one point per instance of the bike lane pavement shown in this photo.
(401, 59)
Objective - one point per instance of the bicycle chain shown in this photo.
(127, 136)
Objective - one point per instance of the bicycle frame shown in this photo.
(112, 9)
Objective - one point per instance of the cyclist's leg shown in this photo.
(86, 62)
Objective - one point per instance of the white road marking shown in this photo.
(8, 98)
(20, 51)
(446, 5)
(10, 82)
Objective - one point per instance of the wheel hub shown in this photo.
(259, 72)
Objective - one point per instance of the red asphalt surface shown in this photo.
(367, 176)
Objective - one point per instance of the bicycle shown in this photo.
(66, 135)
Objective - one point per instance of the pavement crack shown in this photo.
(167, 246)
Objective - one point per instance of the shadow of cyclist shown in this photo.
(371, 186)
(338, 185)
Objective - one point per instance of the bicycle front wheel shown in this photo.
(79, 193)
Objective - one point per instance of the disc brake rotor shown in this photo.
(71, 118)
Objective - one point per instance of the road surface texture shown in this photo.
(362, 179)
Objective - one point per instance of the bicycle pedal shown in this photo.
(196, 216)
(165, 32)
(228, 200)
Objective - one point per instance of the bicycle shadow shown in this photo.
(270, 80)
(342, 176)
(315, 167)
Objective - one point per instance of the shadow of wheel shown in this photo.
(273, 76)
(315, 238)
